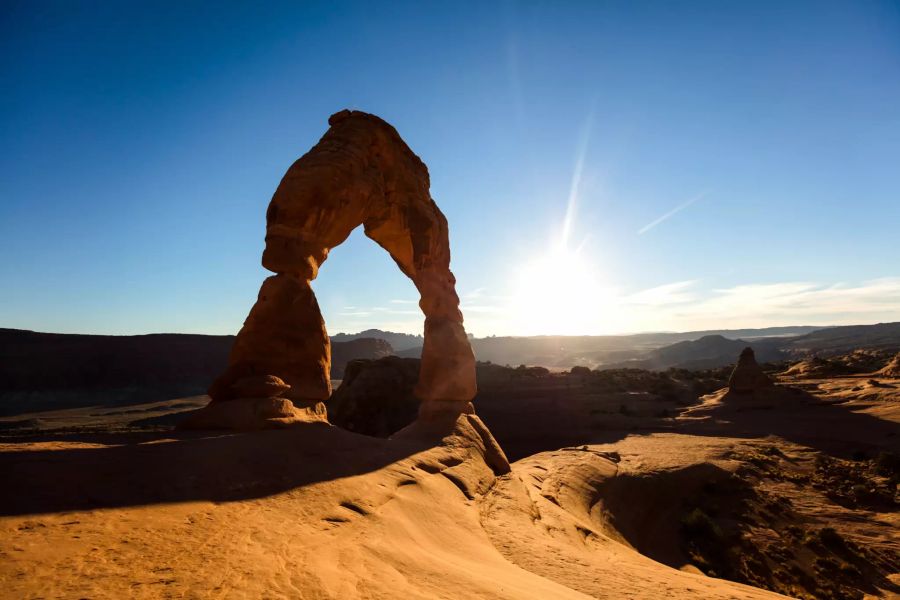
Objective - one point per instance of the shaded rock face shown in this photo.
(748, 376)
(360, 173)
(376, 396)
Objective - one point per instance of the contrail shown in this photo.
(674, 211)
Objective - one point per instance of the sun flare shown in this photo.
(561, 293)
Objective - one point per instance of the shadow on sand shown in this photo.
(134, 468)
(797, 416)
(150, 468)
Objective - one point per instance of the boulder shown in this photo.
(376, 396)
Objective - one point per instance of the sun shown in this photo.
(561, 293)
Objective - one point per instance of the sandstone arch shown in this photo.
(360, 173)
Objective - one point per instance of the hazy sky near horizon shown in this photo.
(605, 167)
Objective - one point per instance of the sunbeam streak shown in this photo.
(574, 186)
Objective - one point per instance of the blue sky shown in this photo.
(604, 166)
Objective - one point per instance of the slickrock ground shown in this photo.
(312, 513)
(794, 494)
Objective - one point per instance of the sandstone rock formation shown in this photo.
(376, 396)
(818, 368)
(360, 173)
(748, 376)
(892, 369)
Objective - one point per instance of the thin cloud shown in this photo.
(664, 295)
(767, 304)
(677, 306)
(671, 213)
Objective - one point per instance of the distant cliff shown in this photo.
(397, 341)
(41, 371)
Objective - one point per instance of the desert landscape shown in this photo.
(623, 483)
(723, 482)
(663, 362)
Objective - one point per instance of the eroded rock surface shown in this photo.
(892, 369)
(748, 376)
(360, 173)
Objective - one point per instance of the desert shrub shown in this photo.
(859, 455)
(698, 524)
(848, 570)
(826, 563)
(830, 538)
(532, 371)
(887, 464)
(773, 451)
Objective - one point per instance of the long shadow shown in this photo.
(139, 469)
(520, 436)
(523, 429)
(797, 416)
(133, 468)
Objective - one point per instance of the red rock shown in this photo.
(260, 386)
(360, 173)
(748, 376)
(892, 369)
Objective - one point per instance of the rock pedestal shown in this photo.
(360, 173)
(748, 376)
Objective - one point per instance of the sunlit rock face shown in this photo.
(892, 369)
(748, 376)
(360, 173)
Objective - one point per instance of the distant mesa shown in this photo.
(748, 376)
(354, 348)
(399, 341)
(360, 173)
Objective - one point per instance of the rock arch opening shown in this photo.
(361, 289)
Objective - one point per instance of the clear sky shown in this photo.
(604, 166)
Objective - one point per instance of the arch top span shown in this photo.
(361, 173)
